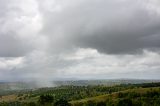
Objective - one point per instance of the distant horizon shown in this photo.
(70, 79)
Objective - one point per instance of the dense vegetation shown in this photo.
(134, 97)
(147, 94)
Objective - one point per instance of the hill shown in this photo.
(132, 97)
(91, 95)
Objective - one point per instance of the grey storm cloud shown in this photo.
(113, 27)
(10, 46)
(49, 39)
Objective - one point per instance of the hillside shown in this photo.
(91, 95)
(135, 97)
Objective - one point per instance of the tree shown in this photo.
(101, 104)
(46, 99)
(125, 102)
(62, 102)
(31, 104)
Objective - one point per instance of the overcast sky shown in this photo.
(79, 39)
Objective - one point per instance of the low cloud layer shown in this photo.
(67, 39)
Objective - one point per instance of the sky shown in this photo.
(45, 40)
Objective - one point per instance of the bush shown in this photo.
(62, 102)
(46, 99)
(101, 104)
(31, 104)
(124, 102)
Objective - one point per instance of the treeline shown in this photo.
(143, 85)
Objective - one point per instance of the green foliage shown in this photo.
(32, 104)
(100, 95)
(125, 102)
(101, 104)
(45, 99)
(62, 102)
(135, 97)
(91, 103)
